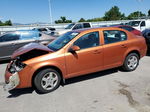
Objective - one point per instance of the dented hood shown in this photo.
(28, 48)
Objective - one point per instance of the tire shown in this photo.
(131, 62)
(47, 80)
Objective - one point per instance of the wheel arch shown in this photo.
(124, 67)
(134, 51)
(46, 67)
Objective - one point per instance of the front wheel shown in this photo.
(131, 62)
(47, 80)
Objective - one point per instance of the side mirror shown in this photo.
(40, 34)
(74, 48)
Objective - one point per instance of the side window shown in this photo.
(77, 26)
(9, 37)
(88, 40)
(113, 36)
(143, 23)
(30, 35)
(86, 25)
(43, 29)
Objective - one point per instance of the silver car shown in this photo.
(11, 41)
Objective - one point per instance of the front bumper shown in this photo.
(12, 83)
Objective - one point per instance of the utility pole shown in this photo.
(139, 8)
(50, 11)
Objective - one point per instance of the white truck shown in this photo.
(70, 27)
(144, 26)
(141, 24)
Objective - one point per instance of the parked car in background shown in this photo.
(11, 41)
(146, 34)
(70, 27)
(141, 24)
(130, 29)
(47, 30)
(73, 54)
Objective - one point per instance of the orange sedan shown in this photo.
(73, 54)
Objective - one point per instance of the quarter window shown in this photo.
(113, 36)
(88, 40)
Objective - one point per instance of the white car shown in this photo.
(70, 27)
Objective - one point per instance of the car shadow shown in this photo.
(18, 92)
(148, 53)
(90, 76)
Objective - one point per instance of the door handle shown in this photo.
(97, 52)
(123, 46)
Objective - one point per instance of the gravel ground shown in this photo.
(107, 91)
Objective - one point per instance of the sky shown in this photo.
(31, 11)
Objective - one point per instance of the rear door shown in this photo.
(114, 47)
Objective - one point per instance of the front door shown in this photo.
(88, 59)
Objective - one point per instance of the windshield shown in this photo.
(62, 41)
(70, 26)
(134, 23)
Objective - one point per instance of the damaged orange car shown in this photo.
(73, 54)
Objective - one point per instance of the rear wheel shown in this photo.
(47, 80)
(131, 62)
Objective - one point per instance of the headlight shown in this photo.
(19, 66)
(16, 66)
(12, 70)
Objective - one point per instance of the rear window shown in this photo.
(127, 28)
(30, 35)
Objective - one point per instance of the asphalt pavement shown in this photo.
(107, 91)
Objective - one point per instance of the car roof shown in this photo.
(21, 31)
(98, 28)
